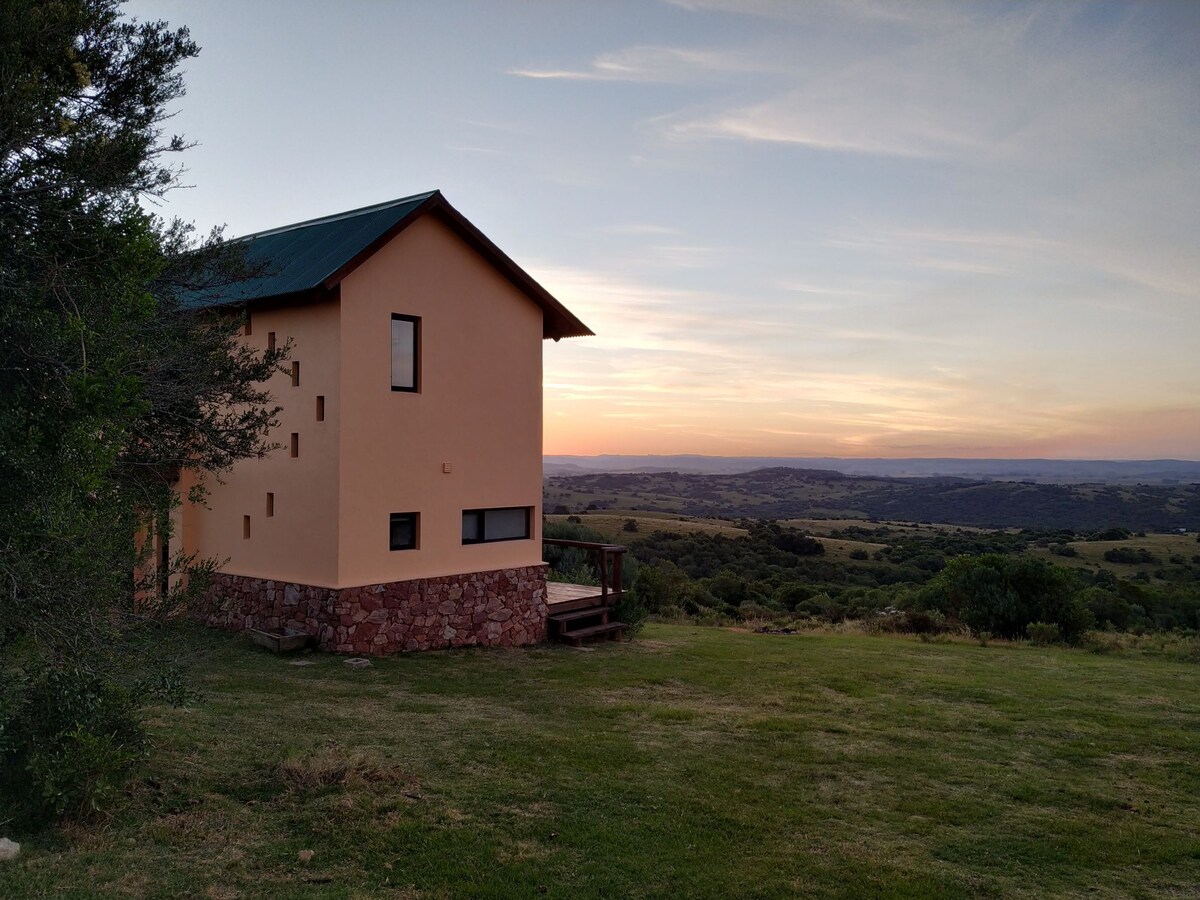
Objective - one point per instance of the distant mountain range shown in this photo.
(1042, 471)
(792, 493)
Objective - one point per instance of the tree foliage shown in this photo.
(109, 385)
(1002, 595)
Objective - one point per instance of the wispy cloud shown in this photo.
(664, 65)
(640, 229)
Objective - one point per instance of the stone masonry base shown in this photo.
(501, 608)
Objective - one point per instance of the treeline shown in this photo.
(786, 493)
(927, 583)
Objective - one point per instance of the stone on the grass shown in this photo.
(358, 662)
(9, 849)
(304, 855)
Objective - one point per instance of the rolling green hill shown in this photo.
(785, 493)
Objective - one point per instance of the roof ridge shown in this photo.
(335, 217)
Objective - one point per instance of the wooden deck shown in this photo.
(574, 595)
(557, 592)
(579, 612)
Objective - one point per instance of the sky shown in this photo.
(853, 228)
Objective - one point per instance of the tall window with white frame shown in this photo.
(406, 353)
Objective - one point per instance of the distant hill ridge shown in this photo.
(783, 492)
(1045, 471)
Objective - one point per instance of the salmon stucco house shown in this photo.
(403, 510)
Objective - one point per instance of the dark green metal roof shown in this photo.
(314, 256)
(300, 257)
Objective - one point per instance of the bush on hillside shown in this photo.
(1130, 556)
(1109, 609)
(1003, 595)
(1111, 534)
(1044, 633)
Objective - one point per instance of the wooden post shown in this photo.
(618, 581)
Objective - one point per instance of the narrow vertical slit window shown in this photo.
(295, 443)
(295, 373)
(246, 329)
(271, 341)
(321, 408)
(406, 350)
(245, 528)
(270, 504)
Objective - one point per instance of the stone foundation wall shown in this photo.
(501, 608)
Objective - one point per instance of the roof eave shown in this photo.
(558, 321)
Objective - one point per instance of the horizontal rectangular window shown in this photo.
(403, 531)
(482, 526)
(405, 350)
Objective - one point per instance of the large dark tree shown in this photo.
(109, 385)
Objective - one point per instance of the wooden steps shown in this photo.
(609, 630)
(578, 625)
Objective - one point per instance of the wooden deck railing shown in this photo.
(609, 563)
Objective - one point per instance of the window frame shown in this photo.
(416, 530)
(416, 366)
(482, 513)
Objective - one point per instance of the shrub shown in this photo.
(660, 586)
(1043, 633)
(68, 742)
(630, 525)
(1063, 550)
(1111, 534)
(798, 542)
(749, 610)
(1130, 556)
(859, 553)
(630, 610)
(1002, 595)
(791, 595)
(919, 621)
(1109, 609)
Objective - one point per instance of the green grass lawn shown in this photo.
(692, 762)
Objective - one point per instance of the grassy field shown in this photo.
(612, 525)
(692, 762)
(1091, 553)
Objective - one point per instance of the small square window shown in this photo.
(406, 345)
(403, 531)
